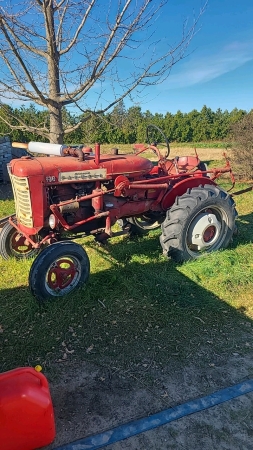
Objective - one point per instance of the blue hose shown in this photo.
(156, 420)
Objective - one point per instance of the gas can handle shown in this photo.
(42, 378)
(30, 370)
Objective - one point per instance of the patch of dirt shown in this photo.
(89, 399)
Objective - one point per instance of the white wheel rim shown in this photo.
(206, 230)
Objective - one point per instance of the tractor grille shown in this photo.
(22, 199)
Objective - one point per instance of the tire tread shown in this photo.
(173, 227)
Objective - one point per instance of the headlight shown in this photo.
(53, 221)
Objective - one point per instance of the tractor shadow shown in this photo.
(245, 230)
(193, 321)
(136, 311)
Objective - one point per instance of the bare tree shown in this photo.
(56, 52)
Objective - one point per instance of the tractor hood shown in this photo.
(70, 169)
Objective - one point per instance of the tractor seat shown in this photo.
(186, 162)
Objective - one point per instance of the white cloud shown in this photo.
(202, 69)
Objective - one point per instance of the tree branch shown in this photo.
(22, 44)
(22, 125)
(21, 62)
(78, 93)
(73, 41)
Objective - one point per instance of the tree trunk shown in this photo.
(56, 130)
(55, 106)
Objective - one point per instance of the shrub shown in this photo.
(242, 149)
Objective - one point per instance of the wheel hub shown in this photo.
(204, 230)
(61, 274)
(19, 244)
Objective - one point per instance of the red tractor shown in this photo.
(77, 192)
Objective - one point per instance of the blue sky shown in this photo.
(218, 72)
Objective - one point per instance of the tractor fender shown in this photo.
(181, 187)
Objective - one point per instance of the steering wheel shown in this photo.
(156, 136)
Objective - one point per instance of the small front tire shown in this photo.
(14, 244)
(58, 270)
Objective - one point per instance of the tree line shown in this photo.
(126, 126)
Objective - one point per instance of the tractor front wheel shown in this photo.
(58, 270)
(14, 244)
(201, 220)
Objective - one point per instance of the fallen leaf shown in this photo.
(89, 349)
(195, 317)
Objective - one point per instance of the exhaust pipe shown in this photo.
(41, 147)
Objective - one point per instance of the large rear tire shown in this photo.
(201, 220)
(58, 270)
(14, 245)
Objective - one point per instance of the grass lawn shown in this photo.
(139, 311)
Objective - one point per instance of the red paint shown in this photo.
(97, 202)
(46, 168)
(97, 154)
(59, 277)
(181, 187)
(116, 186)
(26, 411)
(209, 233)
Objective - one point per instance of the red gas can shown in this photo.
(26, 410)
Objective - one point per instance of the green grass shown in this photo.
(139, 311)
(209, 144)
(6, 207)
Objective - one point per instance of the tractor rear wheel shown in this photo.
(201, 220)
(145, 223)
(14, 244)
(58, 270)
